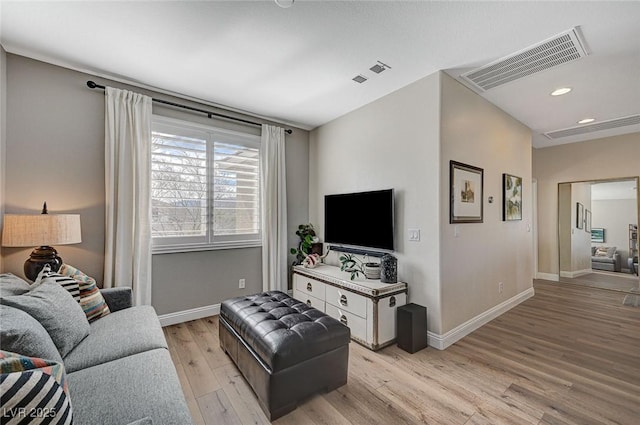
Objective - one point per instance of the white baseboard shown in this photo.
(443, 341)
(554, 277)
(577, 273)
(186, 315)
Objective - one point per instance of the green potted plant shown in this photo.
(351, 264)
(355, 266)
(307, 235)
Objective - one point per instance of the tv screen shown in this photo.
(363, 219)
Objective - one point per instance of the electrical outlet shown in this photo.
(500, 287)
(241, 283)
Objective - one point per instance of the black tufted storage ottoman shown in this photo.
(285, 349)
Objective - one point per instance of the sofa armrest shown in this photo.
(118, 298)
(617, 260)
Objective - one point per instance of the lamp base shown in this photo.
(39, 257)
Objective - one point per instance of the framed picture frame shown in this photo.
(597, 235)
(511, 197)
(579, 215)
(587, 221)
(466, 193)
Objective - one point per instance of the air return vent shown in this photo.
(603, 125)
(562, 48)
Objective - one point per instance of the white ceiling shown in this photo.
(295, 65)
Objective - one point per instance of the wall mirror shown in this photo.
(598, 233)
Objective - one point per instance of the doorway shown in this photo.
(598, 233)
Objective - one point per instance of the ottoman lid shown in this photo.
(282, 330)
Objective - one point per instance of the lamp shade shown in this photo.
(22, 230)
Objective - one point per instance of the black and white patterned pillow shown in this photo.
(33, 391)
(70, 284)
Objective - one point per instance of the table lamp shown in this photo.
(42, 230)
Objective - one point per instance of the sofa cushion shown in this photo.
(56, 311)
(11, 284)
(128, 389)
(121, 333)
(33, 390)
(21, 333)
(603, 260)
(91, 300)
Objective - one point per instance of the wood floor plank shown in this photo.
(201, 378)
(362, 405)
(216, 409)
(322, 412)
(209, 344)
(568, 355)
(240, 395)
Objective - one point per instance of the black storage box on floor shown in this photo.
(411, 327)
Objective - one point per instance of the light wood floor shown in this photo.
(566, 356)
(624, 282)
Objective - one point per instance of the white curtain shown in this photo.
(128, 192)
(274, 210)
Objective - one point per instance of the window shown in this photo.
(205, 187)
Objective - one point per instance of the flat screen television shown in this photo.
(363, 219)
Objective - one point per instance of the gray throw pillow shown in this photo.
(57, 311)
(22, 334)
(11, 284)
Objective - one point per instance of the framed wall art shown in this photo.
(511, 197)
(579, 215)
(466, 192)
(587, 221)
(597, 235)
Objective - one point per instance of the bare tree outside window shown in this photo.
(204, 187)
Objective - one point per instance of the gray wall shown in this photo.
(55, 152)
(480, 256)
(405, 141)
(615, 216)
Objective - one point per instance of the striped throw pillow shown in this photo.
(66, 282)
(33, 391)
(91, 300)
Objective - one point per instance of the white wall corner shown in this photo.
(554, 277)
(441, 342)
(187, 315)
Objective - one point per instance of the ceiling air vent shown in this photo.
(360, 79)
(602, 125)
(562, 48)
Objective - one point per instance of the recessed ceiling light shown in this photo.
(586, 120)
(561, 91)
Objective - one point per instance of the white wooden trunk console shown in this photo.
(366, 306)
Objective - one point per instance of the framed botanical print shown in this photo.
(511, 197)
(466, 192)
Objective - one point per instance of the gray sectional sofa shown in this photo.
(121, 373)
(606, 258)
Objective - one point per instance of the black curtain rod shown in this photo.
(209, 114)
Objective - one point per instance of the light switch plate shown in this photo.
(414, 235)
